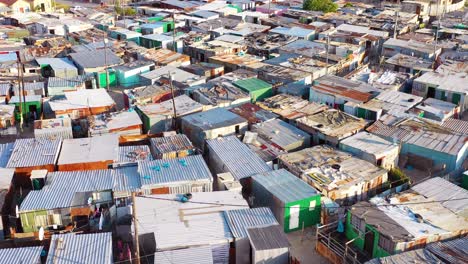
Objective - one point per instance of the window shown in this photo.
(386, 244)
(358, 223)
(55, 219)
(41, 220)
(379, 162)
(312, 205)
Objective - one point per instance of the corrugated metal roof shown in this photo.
(454, 251)
(61, 187)
(195, 223)
(134, 154)
(252, 84)
(74, 81)
(419, 132)
(95, 58)
(113, 122)
(413, 256)
(281, 133)
(83, 99)
(4, 88)
(439, 189)
(5, 153)
(215, 118)
(240, 220)
(174, 143)
(196, 255)
(29, 98)
(6, 175)
(184, 106)
(56, 63)
(268, 237)
(166, 171)
(21, 255)
(239, 159)
(80, 248)
(29, 152)
(85, 150)
(369, 143)
(285, 186)
(457, 125)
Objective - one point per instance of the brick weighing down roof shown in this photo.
(421, 133)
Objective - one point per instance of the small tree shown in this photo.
(325, 6)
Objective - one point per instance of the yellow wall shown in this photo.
(20, 6)
(47, 5)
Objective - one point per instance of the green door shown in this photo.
(361, 113)
(456, 98)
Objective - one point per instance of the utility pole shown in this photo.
(328, 46)
(135, 229)
(269, 5)
(173, 32)
(437, 32)
(123, 13)
(395, 30)
(105, 61)
(174, 123)
(19, 93)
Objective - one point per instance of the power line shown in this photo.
(339, 206)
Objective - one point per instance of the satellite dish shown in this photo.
(41, 233)
(101, 221)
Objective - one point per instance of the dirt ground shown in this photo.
(303, 247)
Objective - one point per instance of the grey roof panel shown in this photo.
(196, 255)
(239, 159)
(21, 255)
(240, 220)
(453, 251)
(285, 186)
(5, 153)
(166, 171)
(80, 248)
(268, 237)
(95, 58)
(61, 186)
(29, 152)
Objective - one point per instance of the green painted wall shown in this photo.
(28, 222)
(261, 94)
(26, 107)
(377, 251)
(465, 181)
(146, 120)
(306, 216)
(168, 26)
(351, 233)
(155, 19)
(103, 81)
(149, 43)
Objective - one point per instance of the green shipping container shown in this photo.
(293, 209)
(257, 89)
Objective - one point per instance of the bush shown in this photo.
(348, 5)
(65, 7)
(397, 177)
(128, 11)
(325, 6)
